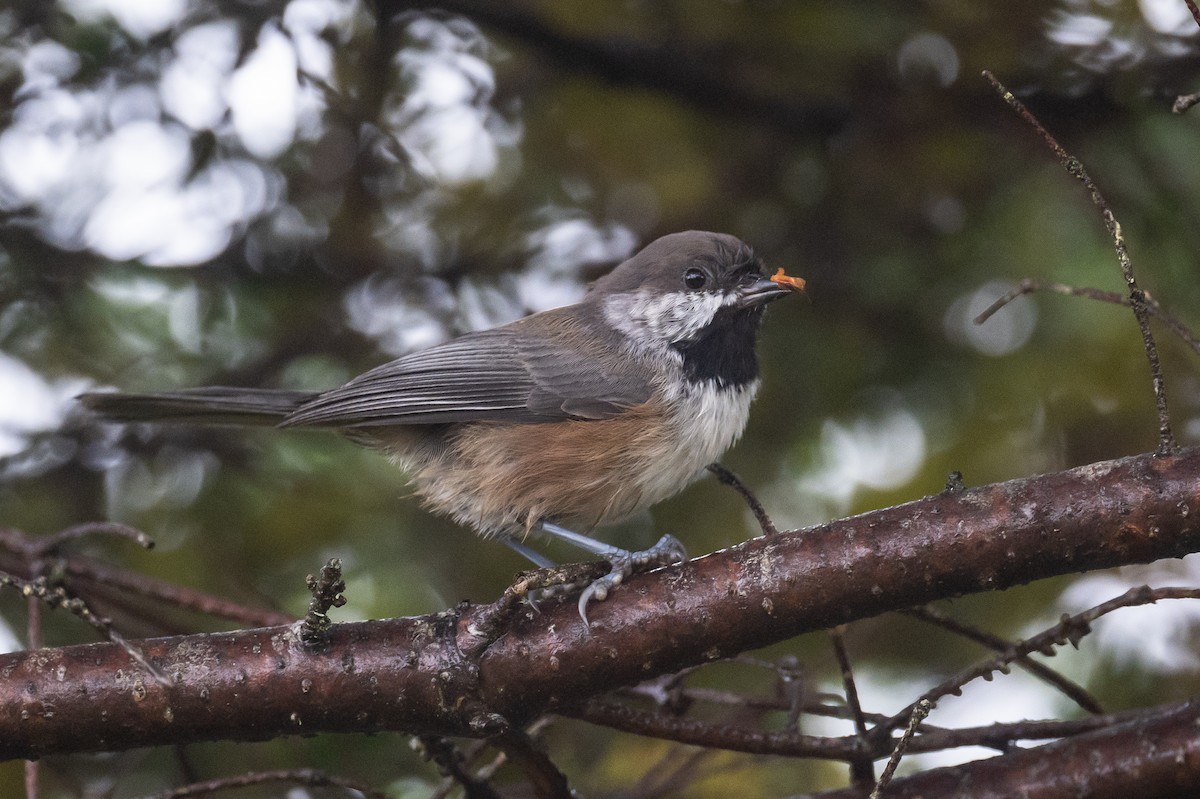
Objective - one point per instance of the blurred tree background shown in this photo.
(287, 193)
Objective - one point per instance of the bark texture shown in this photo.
(450, 673)
(1158, 756)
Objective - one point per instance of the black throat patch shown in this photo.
(723, 352)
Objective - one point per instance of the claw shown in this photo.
(586, 596)
(668, 550)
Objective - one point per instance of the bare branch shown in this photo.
(733, 481)
(789, 743)
(51, 544)
(1155, 754)
(1031, 284)
(546, 779)
(719, 735)
(472, 750)
(414, 675)
(451, 763)
(678, 768)
(1073, 690)
(57, 597)
(1070, 630)
(918, 715)
(862, 768)
(1074, 167)
(96, 580)
(32, 773)
(1194, 9)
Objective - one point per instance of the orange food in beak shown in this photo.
(794, 283)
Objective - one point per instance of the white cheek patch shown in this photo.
(663, 318)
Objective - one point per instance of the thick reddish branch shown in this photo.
(433, 675)
(1154, 757)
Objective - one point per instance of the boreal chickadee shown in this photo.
(570, 418)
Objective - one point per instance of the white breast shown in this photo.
(704, 422)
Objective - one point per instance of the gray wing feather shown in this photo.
(503, 374)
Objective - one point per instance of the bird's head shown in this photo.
(697, 296)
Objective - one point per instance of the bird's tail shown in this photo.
(209, 405)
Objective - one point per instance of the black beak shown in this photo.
(760, 292)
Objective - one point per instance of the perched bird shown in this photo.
(569, 418)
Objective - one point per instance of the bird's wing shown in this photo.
(503, 374)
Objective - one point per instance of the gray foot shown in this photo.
(668, 550)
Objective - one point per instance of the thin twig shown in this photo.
(32, 772)
(786, 743)
(1195, 11)
(33, 626)
(918, 715)
(33, 616)
(57, 597)
(547, 779)
(352, 111)
(726, 477)
(1185, 101)
(450, 761)
(1071, 629)
(794, 691)
(792, 686)
(184, 765)
(471, 751)
(1001, 736)
(807, 704)
(811, 705)
(862, 769)
(1074, 167)
(312, 778)
(104, 575)
(715, 734)
(52, 543)
(88, 574)
(1031, 284)
(1077, 693)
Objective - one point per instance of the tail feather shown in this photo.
(209, 405)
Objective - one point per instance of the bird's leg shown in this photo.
(624, 563)
(550, 581)
(527, 552)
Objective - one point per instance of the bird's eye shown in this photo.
(695, 278)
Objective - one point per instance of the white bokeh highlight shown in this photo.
(928, 57)
(1006, 698)
(1158, 638)
(263, 96)
(1005, 331)
(139, 18)
(193, 85)
(31, 403)
(881, 451)
(445, 122)
(559, 251)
